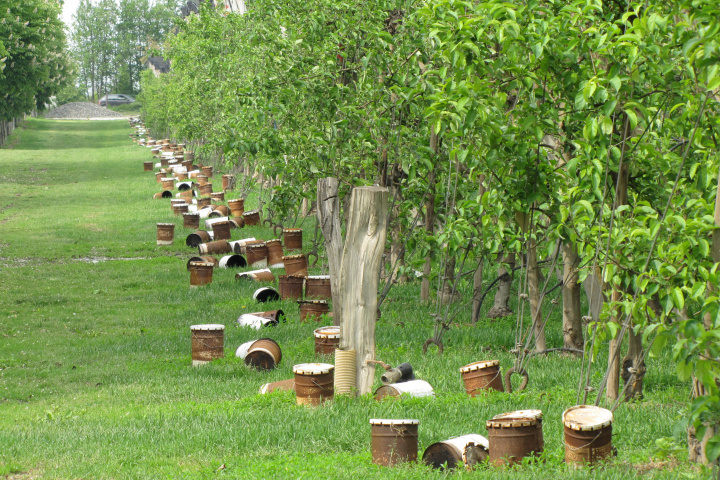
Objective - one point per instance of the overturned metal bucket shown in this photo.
(412, 388)
(263, 354)
(466, 450)
(262, 275)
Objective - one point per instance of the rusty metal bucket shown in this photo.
(167, 183)
(191, 220)
(237, 207)
(180, 208)
(252, 217)
(200, 273)
(208, 171)
(256, 254)
(217, 246)
(228, 182)
(318, 287)
(204, 202)
(148, 166)
(276, 316)
(313, 309)
(296, 265)
(282, 385)
(163, 194)
(588, 434)
(233, 261)
(537, 415)
(208, 343)
(291, 287)
(262, 275)
(466, 450)
(481, 376)
(218, 196)
(165, 233)
(205, 190)
(394, 441)
(275, 254)
(221, 230)
(314, 383)
(196, 238)
(327, 339)
(266, 294)
(292, 238)
(512, 439)
(238, 221)
(263, 354)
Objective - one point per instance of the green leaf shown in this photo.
(714, 83)
(616, 83)
(607, 126)
(632, 117)
(678, 298)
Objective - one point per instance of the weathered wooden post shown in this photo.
(361, 260)
(328, 212)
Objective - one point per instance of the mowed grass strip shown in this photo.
(95, 378)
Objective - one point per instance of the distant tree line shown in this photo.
(33, 60)
(111, 41)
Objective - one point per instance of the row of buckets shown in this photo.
(512, 436)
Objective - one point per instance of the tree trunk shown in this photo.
(328, 212)
(397, 249)
(478, 275)
(534, 280)
(502, 296)
(429, 220)
(572, 315)
(631, 363)
(361, 260)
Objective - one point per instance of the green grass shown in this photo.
(128, 108)
(95, 375)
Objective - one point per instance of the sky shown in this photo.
(68, 10)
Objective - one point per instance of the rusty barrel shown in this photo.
(237, 207)
(201, 273)
(534, 414)
(180, 208)
(291, 287)
(205, 258)
(217, 246)
(165, 233)
(282, 385)
(588, 434)
(148, 166)
(314, 383)
(275, 253)
(313, 309)
(232, 261)
(222, 209)
(187, 163)
(218, 196)
(262, 275)
(296, 265)
(208, 171)
(163, 194)
(252, 217)
(191, 220)
(159, 176)
(292, 238)
(205, 189)
(197, 237)
(266, 294)
(189, 156)
(201, 179)
(411, 388)
(228, 181)
(466, 450)
(182, 176)
(256, 254)
(238, 246)
(203, 202)
(479, 376)
(222, 231)
(167, 183)
(327, 339)
(512, 439)
(394, 441)
(239, 222)
(263, 354)
(164, 161)
(208, 343)
(318, 287)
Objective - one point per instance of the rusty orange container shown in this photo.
(291, 288)
(221, 230)
(282, 385)
(237, 207)
(159, 176)
(165, 233)
(205, 190)
(314, 383)
(481, 376)
(208, 343)
(218, 196)
(327, 339)
(163, 194)
(263, 354)
(512, 439)
(252, 217)
(275, 254)
(217, 246)
(394, 441)
(256, 254)
(147, 166)
(200, 273)
(208, 171)
(296, 265)
(201, 179)
(313, 309)
(203, 202)
(228, 182)
(197, 237)
(536, 415)
(318, 287)
(180, 208)
(239, 222)
(167, 183)
(191, 220)
(588, 434)
(222, 210)
(292, 238)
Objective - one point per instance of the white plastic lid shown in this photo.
(313, 368)
(210, 326)
(479, 365)
(384, 421)
(587, 417)
(328, 332)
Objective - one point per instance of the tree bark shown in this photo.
(572, 315)
(429, 220)
(478, 275)
(397, 248)
(361, 260)
(534, 280)
(328, 212)
(502, 296)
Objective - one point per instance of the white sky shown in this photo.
(68, 11)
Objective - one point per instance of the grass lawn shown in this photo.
(95, 375)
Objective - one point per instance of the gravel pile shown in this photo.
(82, 110)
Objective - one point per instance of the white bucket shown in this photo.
(209, 223)
(413, 388)
(253, 321)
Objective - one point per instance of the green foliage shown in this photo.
(33, 66)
